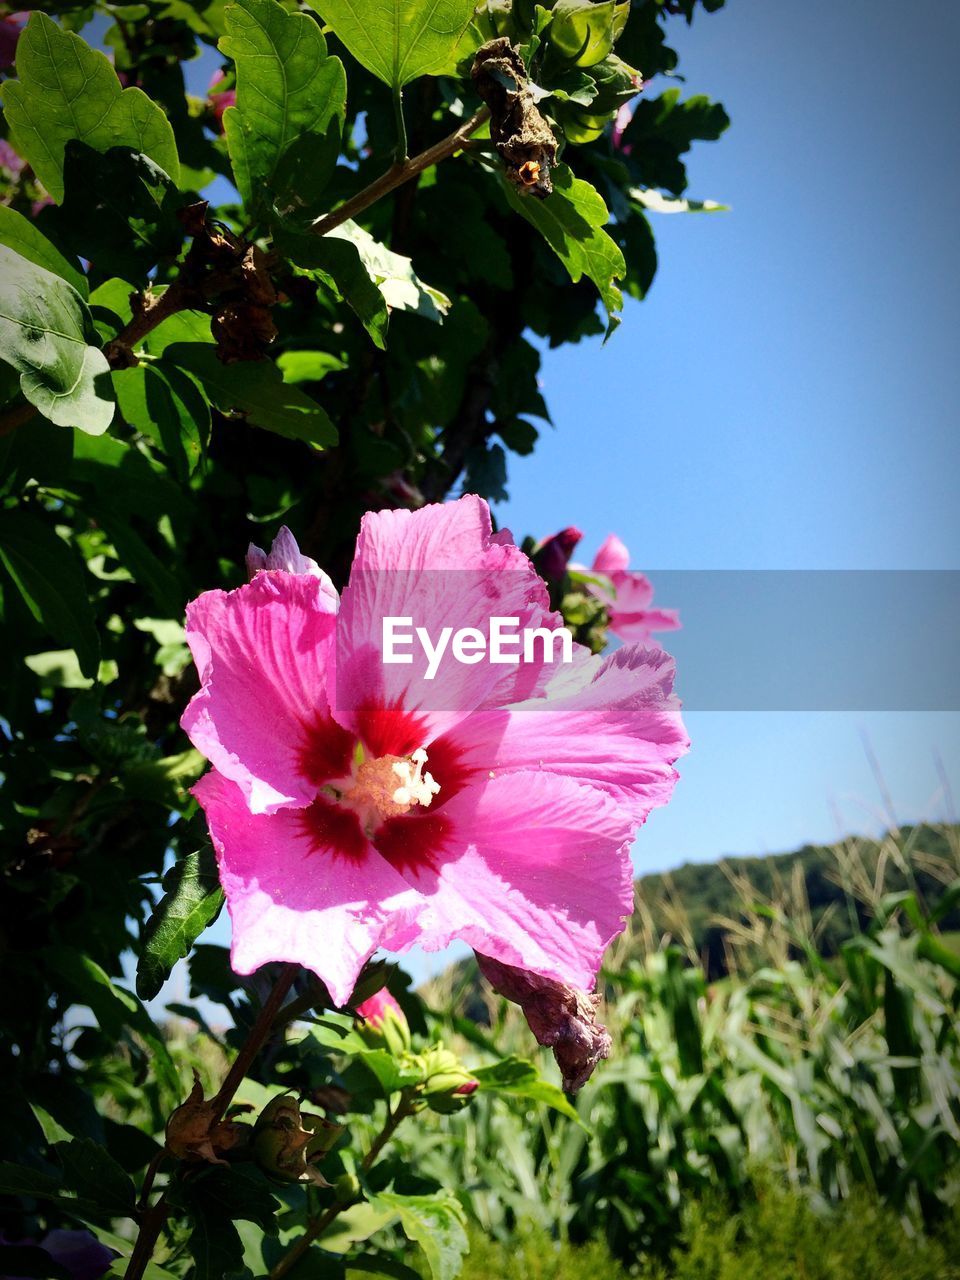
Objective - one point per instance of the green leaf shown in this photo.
(168, 405)
(19, 234)
(393, 274)
(124, 1248)
(435, 1223)
(571, 220)
(47, 335)
(308, 366)
(214, 1200)
(94, 1174)
(192, 899)
(370, 278)
(662, 130)
(115, 1010)
(17, 1180)
(520, 1078)
(119, 211)
(401, 40)
(284, 132)
(583, 31)
(390, 1074)
(146, 567)
(67, 90)
(485, 467)
(256, 389)
(51, 579)
(337, 264)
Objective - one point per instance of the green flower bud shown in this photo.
(448, 1085)
(346, 1188)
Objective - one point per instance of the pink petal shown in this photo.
(374, 1008)
(291, 899)
(262, 652)
(535, 873)
(620, 730)
(612, 556)
(634, 592)
(285, 555)
(442, 567)
(639, 626)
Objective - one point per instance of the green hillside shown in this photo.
(833, 886)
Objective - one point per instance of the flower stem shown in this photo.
(254, 1041)
(317, 1226)
(400, 173)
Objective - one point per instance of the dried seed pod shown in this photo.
(523, 139)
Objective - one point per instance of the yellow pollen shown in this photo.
(386, 787)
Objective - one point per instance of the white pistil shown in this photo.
(416, 787)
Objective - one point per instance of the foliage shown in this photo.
(775, 1233)
(220, 313)
(839, 1076)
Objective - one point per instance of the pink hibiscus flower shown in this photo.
(631, 617)
(356, 805)
(220, 99)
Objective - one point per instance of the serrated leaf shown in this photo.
(67, 90)
(51, 579)
(401, 40)
(94, 1174)
(192, 899)
(308, 366)
(662, 130)
(215, 1245)
(435, 1223)
(571, 220)
(19, 234)
(284, 132)
(47, 335)
(256, 389)
(124, 1248)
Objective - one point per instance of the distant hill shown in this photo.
(922, 858)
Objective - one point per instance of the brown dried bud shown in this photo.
(561, 1017)
(523, 139)
(195, 1131)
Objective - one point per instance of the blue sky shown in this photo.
(786, 397)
